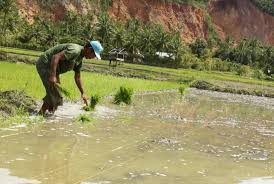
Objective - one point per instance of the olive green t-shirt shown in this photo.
(72, 60)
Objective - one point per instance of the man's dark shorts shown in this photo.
(53, 96)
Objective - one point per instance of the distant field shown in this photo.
(176, 73)
(24, 77)
(20, 51)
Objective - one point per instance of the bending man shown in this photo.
(58, 60)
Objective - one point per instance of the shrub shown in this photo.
(258, 74)
(244, 70)
(188, 60)
(199, 47)
(208, 63)
(123, 95)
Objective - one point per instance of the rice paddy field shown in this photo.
(195, 137)
(25, 77)
(211, 76)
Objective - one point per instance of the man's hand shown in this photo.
(52, 80)
(85, 99)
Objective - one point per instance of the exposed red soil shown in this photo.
(240, 19)
(186, 19)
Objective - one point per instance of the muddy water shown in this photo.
(202, 138)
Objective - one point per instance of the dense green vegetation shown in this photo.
(248, 57)
(265, 5)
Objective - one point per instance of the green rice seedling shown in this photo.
(123, 95)
(182, 90)
(87, 108)
(94, 100)
(63, 90)
(84, 118)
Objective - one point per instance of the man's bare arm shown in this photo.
(53, 66)
(79, 84)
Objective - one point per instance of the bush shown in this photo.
(244, 70)
(188, 60)
(199, 48)
(258, 74)
(123, 95)
(208, 64)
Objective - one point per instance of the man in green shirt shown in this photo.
(58, 60)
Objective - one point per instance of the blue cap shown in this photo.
(97, 47)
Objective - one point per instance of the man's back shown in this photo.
(72, 59)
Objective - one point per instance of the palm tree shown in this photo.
(146, 39)
(132, 36)
(160, 38)
(118, 37)
(7, 11)
(104, 29)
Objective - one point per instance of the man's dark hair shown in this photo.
(87, 44)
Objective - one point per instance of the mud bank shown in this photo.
(14, 102)
(204, 85)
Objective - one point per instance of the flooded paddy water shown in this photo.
(202, 138)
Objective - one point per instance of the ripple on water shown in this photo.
(261, 180)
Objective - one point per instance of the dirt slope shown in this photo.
(186, 19)
(241, 18)
(56, 9)
(237, 18)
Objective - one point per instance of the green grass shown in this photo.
(181, 73)
(190, 73)
(20, 51)
(25, 77)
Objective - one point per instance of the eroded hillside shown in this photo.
(237, 18)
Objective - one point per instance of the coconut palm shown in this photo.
(104, 29)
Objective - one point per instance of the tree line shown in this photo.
(137, 37)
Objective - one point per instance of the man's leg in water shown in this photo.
(43, 109)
